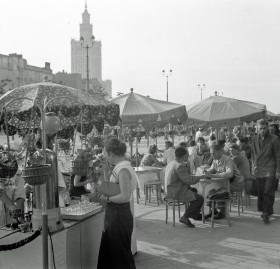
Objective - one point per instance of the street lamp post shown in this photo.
(87, 46)
(167, 76)
(201, 87)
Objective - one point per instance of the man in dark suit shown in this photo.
(177, 185)
(266, 167)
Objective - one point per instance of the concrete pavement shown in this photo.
(248, 243)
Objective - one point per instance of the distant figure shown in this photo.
(169, 154)
(212, 140)
(245, 147)
(189, 159)
(242, 164)
(150, 158)
(198, 134)
(273, 129)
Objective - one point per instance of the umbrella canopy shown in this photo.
(218, 111)
(272, 116)
(68, 101)
(135, 107)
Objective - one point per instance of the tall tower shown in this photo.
(78, 53)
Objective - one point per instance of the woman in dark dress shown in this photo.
(115, 246)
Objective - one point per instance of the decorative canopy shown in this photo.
(135, 108)
(69, 103)
(218, 111)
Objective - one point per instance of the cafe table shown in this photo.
(144, 170)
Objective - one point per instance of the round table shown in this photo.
(142, 170)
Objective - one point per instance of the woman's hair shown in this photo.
(115, 146)
(183, 144)
(152, 149)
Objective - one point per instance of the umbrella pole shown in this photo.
(131, 145)
(172, 135)
(136, 154)
(74, 142)
(44, 212)
(82, 131)
(7, 133)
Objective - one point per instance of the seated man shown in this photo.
(169, 154)
(224, 167)
(177, 186)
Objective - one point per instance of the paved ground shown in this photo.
(249, 243)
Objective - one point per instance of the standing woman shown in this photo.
(115, 246)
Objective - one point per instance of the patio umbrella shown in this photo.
(218, 111)
(135, 107)
(272, 116)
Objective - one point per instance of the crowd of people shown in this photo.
(248, 162)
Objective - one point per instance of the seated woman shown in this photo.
(78, 184)
(150, 158)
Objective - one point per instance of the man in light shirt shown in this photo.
(169, 154)
(198, 134)
(224, 167)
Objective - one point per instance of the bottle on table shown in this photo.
(67, 198)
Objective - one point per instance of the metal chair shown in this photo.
(225, 203)
(173, 203)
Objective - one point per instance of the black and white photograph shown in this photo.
(139, 134)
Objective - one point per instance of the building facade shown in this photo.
(92, 47)
(15, 72)
(76, 81)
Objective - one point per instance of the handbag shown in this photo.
(108, 188)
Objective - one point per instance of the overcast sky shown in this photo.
(232, 46)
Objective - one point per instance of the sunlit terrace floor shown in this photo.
(248, 243)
